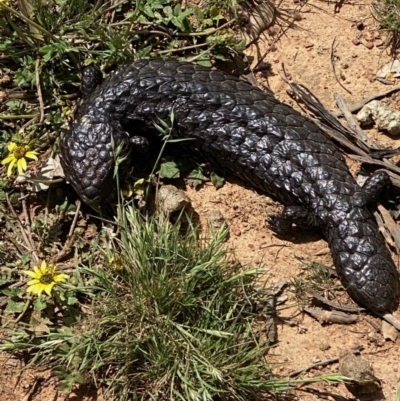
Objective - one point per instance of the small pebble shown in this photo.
(368, 36)
(236, 231)
(359, 370)
(297, 16)
(324, 346)
(369, 45)
(171, 199)
(308, 45)
(356, 41)
(274, 30)
(216, 220)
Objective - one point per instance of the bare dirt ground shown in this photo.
(306, 52)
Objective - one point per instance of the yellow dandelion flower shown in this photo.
(44, 279)
(17, 157)
(116, 262)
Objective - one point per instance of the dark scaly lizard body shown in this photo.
(253, 136)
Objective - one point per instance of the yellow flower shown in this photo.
(44, 279)
(137, 189)
(67, 112)
(17, 156)
(116, 262)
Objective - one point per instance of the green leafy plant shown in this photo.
(44, 47)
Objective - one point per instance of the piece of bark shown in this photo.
(325, 316)
(360, 104)
(334, 305)
(391, 225)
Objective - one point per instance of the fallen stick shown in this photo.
(356, 350)
(391, 225)
(326, 316)
(351, 121)
(360, 104)
(335, 305)
(392, 320)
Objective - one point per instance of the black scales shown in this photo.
(252, 135)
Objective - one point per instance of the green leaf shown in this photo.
(195, 178)
(15, 307)
(39, 304)
(13, 292)
(168, 11)
(204, 63)
(26, 257)
(145, 52)
(169, 170)
(214, 11)
(217, 180)
(221, 57)
(46, 49)
(149, 10)
(89, 61)
(177, 10)
(72, 300)
(239, 47)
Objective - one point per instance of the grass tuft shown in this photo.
(317, 278)
(171, 320)
(387, 13)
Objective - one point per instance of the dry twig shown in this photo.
(70, 238)
(351, 121)
(24, 236)
(325, 316)
(27, 221)
(361, 103)
(39, 90)
(392, 320)
(333, 66)
(334, 305)
(356, 350)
